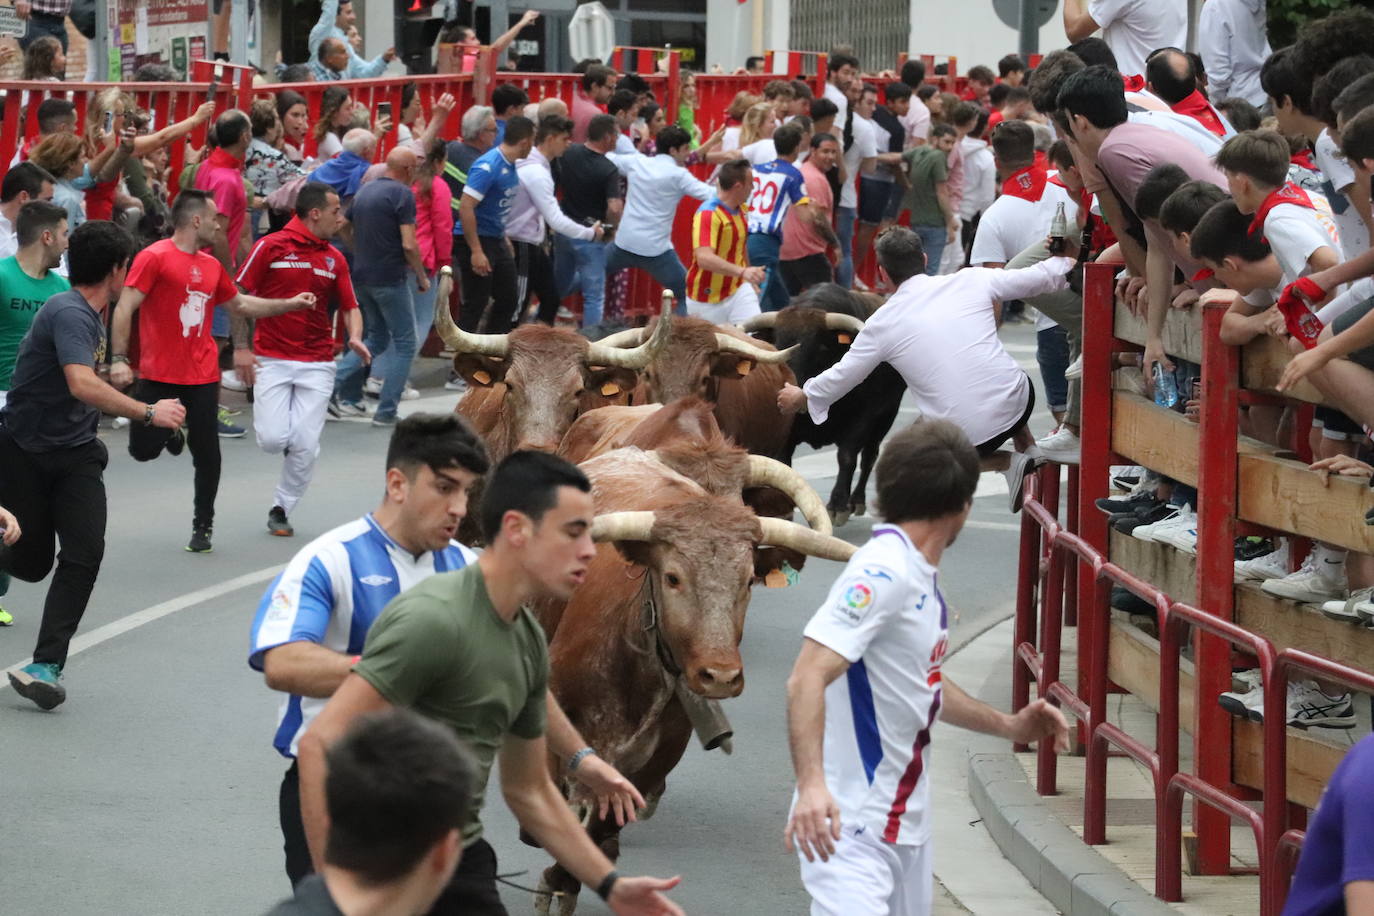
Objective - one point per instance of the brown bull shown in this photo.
(664, 601)
(741, 376)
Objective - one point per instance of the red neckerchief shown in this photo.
(1202, 276)
(1305, 160)
(1196, 106)
(1288, 194)
(1057, 181)
(1041, 160)
(1027, 184)
(732, 121)
(219, 159)
(302, 234)
(1135, 83)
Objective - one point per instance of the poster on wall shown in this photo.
(160, 31)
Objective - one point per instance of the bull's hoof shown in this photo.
(860, 508)
(543, 897)
(839, 516)
(650, 805)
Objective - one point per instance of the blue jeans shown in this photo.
(42, 24)
(581, 264)
(763, 248)
(424, 318)
(844, 228)
(665, 268)
(933, 239)
(1052, 353)
(389, 330)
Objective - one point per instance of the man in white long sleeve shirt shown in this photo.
(657, 185)
(1233, 44)
(536, 207)
(940, 334)
(335, 18)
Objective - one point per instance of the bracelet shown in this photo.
(603, 890)
(576, 759)
(149, 413)
(120, 358)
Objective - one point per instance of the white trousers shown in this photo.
(867, 877)
(290, 402)
(738, 307)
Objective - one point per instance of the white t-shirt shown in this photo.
(329, 147)
(730, 139)
(1135, 28)
(1012, 224)
(760, 151)
(1293, 233)
(886, 616)
(865, 146)
(1339, 176)
(939, 333)
(9, 238)
(833, 93)
(980, 178)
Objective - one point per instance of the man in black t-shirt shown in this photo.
(591, 189)
(51, 463)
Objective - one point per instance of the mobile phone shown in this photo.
(109, 121)
(384, 110)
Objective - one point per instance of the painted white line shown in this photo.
(138, 618)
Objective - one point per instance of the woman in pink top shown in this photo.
(433, 231)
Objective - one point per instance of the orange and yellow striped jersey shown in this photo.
(725, 232)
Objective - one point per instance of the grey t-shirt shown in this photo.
(41, 414)
(378, 212)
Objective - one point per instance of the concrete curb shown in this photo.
(1070, 874)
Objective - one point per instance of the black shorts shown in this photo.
(987, 449)
(1364, 357)
(873, 198)
(1336, 425)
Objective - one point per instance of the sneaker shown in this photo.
(1245, 680)
(1016, 477)
(1253, 546)
(176, 442)
(1060, 446)
(1123, 599)
(409, 393)
(457, 383)
(200, 538)
(1145, 515)
(1248, 704)
(1161, 516)
(332, 411)
(277, 524)
(119, 422)
(1132, 503)
(1126, 476)
(229, 411)
(386, 421)
(1272, 565)
(229, 381)
(6, 618)
(372, 388)
(40, 682)
(1075, 368)
(1310, 707)
(1182, 535)
(1320, 579)
(228, 430)
(351, 409)
(1347, 611)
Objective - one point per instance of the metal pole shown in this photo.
(1029, 31)
(238, 32)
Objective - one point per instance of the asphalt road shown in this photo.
(153, 790)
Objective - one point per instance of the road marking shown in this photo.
(158, 611)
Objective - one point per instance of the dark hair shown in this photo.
(1012, 63)
(1328, 87)
(1280, 80)
(439, 441)
(396, 784)
(670, 138)
(600, 127)
(621, 100)
(25, 177)
(938, 130)
(1164, 77)
(298, 73)
(1262, 155)
(732, 173)
(518, 129)
(751, 60)
(895, 92)
(96, 249)
(823, 108)
(551, 126)
(188, 203)
(155, 73)
(1013, 143)
(262, 115)
(1094, 51)
(36, 217)
(927, 92)
(997, 95)
(981, 74)
(596, 75)
(632, 82)
(51, 112)
(1097, 94)
(408, 92)
(1357, 140)
(787, 138)
(836, 62)
(1159, 183)
(1183, 208)
(1044, 84)
(913, 72)
(818, 139)
(1324, 42)
(777, 89)
(230, 128)
(1061, 156)
(648, 110)
(963, 113)
(507, 96)
(526, 482)
(981, 127)
(313, 195)
(288, 99)
(1224, 232)
(802, 91)
(925, 472)
(1354, 98)
(1016, 94)
(1242, 115)
(900, 253)
(39, 57)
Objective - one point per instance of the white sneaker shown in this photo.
(1248, 704)
(1349, 610)
(119, 422)
(409, 394)
(1075, 368)
(1021, 464)
(1322, 578)
(1310, 707)
(1248, 680)
(1144, 532)
(1273, 565)
(457, 383)
(373, 386)
(1182, 534)
(229, 381)
(1060, 446)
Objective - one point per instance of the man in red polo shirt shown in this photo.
(295, 351)
(174, 286)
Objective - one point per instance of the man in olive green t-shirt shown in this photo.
(933, 217)
(463, 649)
(29, 278)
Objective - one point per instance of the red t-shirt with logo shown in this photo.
(180, 293)
(285, 264)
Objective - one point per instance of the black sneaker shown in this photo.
(1248, 548)
(1123, 599)
(176, 442)
(1146, 516)
(200, 538)
(1114, 505)
(277, 525)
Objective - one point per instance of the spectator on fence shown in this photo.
(754, 138)
(29, 277)
(345, 172)
(592, 191)
(1233, 42)
(330, 61)
(590, 96)
(841, 70)
(335, 18)
(467, 39)
(336, 114)
(298, 73)
(55, 116)
(265, 165)
(21, 184)
(105, 155)
(1011, 70)
(1132, 30)
(810, 247)
(45, 59)
(734, 117)
(63, 156)
(486, 264)
(294, 115)
(45, 18)
(980, 83)
(1170, 74)
(1241, 115)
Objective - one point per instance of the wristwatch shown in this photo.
(120, 358)
(149, 412)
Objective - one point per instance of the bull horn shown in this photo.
(781, 533)
(599, 354)
(623, 526)
(732, 344)
(458, 340)
(631, 337)
(837, 321)
(760, 322)
(768, 472)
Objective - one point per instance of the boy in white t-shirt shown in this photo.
(866, 690)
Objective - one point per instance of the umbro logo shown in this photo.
(375, 580)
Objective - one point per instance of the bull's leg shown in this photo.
(858, 501)
(559, 887)
(845, 458)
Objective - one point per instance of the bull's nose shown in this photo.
(720, 682)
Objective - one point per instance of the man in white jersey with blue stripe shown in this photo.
(866, 690)
(314, 618)
(779, 186)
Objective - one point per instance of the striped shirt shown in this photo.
(724, 231)
(777, 186)
(330, 594)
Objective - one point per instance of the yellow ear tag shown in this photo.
(744, 366)
(845, 338)
(610, 388)
(776, 578)
(481, 377)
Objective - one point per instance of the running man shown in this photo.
(295, 350)
(861, 743)
(29, 277)
(721, 286)
(175, 287)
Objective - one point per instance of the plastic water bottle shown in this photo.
(1166, 389)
